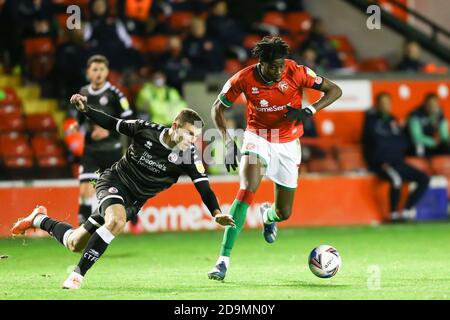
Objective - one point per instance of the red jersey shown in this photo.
(267, 101)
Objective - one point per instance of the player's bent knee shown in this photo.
(283, 213)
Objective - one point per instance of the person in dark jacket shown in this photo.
(384, 145)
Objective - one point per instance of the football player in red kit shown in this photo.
(273, 89)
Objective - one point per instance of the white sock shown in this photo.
(66, 236)
(37, 220)
(224, 259)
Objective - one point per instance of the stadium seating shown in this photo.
(298, 22)
(275, 18)
(419, 163)
(232, 66)
(46, 147)
(157, 44)
(180, 21)
(326, 165)
(11, 122)
(350, 158)
(40, 122)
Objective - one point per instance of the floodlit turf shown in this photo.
(385, 262)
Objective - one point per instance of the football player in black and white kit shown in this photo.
(102, 147)
(153, 163)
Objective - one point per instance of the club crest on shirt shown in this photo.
(250, 146)
(283, 86)
(103, 100)
(148, 144)
(113, 190)
(173, 157)
(255, 90)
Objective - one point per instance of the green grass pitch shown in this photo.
(383, 262)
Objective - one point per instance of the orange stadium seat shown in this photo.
(40, 122)
(43, 147)
(139, 43)
(232, 66)
(18, 168)
(250, 40)
(298, 22)
(325, 165)
(10, 110)
(10, 97)
(11, 138)
(38, 46)
(13, 148)
(419, 163)
(342, 43)
(373, 65)
(157, 44)
(350, 158)
(180, 20)
(12, 122)
(52, 167)
(275, 18)
(441, 165)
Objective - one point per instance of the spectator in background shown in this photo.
(11, 53)
(308, 57)
(205, 55)
(71, 57)
(428, 128)
(175, 65)
(158, 102)
(411, 57)
(37, 18)
(384, 146)
(107, 35)
(144, 17)
(224, 29)
(317, 39)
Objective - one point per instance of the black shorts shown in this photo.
(94, 162)
(110, 190)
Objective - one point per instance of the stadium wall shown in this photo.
(320, 201)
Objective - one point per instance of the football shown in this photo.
(324, 261)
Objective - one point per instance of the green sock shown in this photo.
(239, 211)
(272, 215)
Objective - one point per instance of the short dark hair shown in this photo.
(98, 58)
(190, 116)
(381, 95)
(269, 49)
(430, 95)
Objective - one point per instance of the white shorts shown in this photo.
(281, 159)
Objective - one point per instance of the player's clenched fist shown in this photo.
(79, 101)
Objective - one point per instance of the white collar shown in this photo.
(162, 140)
(99, 91)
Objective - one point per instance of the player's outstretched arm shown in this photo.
(210, 200)
(102, 119)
